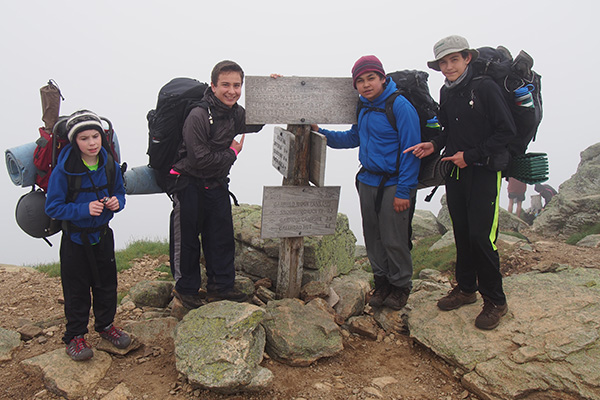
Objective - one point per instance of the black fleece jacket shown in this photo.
(475, 119)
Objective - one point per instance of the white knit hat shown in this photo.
(81, 121)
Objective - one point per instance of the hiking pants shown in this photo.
(386, 236)
(198, 210)
(77, 278)
(472, 194)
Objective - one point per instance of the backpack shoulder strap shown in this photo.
(389, 109)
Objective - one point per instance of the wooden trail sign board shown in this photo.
(284, 157)
(297, 211)
(283, 154)
(300, 100)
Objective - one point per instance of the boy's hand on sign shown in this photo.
(96, 208)
(237, 146)
(401, 204)
(421, 150)
(112, 203)
(458, 159)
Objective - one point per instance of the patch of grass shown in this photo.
(592, 229)
(441, 260)
(123, 257)
(515, 234)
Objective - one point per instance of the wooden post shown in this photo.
(291, 250)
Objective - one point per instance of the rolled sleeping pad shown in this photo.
(141, 180)
(19, 164)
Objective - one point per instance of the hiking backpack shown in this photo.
(511, 75)
(165, 123)
(412, 84)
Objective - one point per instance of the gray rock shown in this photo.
(445, 241)
(425, 224)
(392, 321)
(324, 256)
(548, 343)
(29, 331)
(120, 392)
(352, 290)
(298, 334)
(148, 331)
(9, 342)
(314, 289)
(364, 325)
(219, 347)
(265, 295)
(151, 293)
(578, 200)
(590, 241)
(68, 378)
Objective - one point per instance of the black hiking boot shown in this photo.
(189, 301)
(116, 336)
(398, 298)
(79, 349)
(489, 317)
(232, 294)
(381, 292)
(456, 298)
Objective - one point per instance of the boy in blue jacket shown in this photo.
(387, 181)
(79, 194)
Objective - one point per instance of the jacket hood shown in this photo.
(69, 162)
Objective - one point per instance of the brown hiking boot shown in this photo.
(381, 291)
(489, 317)
(397, 298)
(456, 298)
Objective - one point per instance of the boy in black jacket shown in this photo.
(477, 126)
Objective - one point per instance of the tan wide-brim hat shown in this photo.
(449, 45)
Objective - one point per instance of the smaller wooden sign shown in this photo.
(318, 151)
(296, 211)
(283, 154)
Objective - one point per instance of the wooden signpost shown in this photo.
(296, 209)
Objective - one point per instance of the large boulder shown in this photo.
(424, 224)
(220, 346)
(9, 342)
(151, 293)
(577, 203)
(352, 290)
(548, 343)
(298, 334)
(325, 257)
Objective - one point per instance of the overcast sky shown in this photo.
(112, 57)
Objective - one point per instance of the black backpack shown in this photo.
(165, 123)
(511, 74)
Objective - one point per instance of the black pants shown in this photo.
(202, 210)
(472, 196)
(77, 278)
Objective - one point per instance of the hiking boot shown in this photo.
(116, 336)
(489, 317)
(189, 301)
(381, 291)
(397, 297)
(456, 298)
(232, 294)
(79, 349)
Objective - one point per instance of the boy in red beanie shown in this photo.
(387, 180)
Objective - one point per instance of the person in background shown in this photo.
(387, 180)
(546, 191)
(87, 247)
(477, 127)
(516, 194)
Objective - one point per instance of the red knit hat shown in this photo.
(366, 64)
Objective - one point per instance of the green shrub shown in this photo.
(124, 258)
(587, 230)
(441, 259)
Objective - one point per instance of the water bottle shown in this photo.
(523, 96)
(433, 123)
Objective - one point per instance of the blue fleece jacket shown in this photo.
(78, 212)
(379, 142)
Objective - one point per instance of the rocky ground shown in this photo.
(392, 367)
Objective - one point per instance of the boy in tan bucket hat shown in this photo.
(477, 126)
